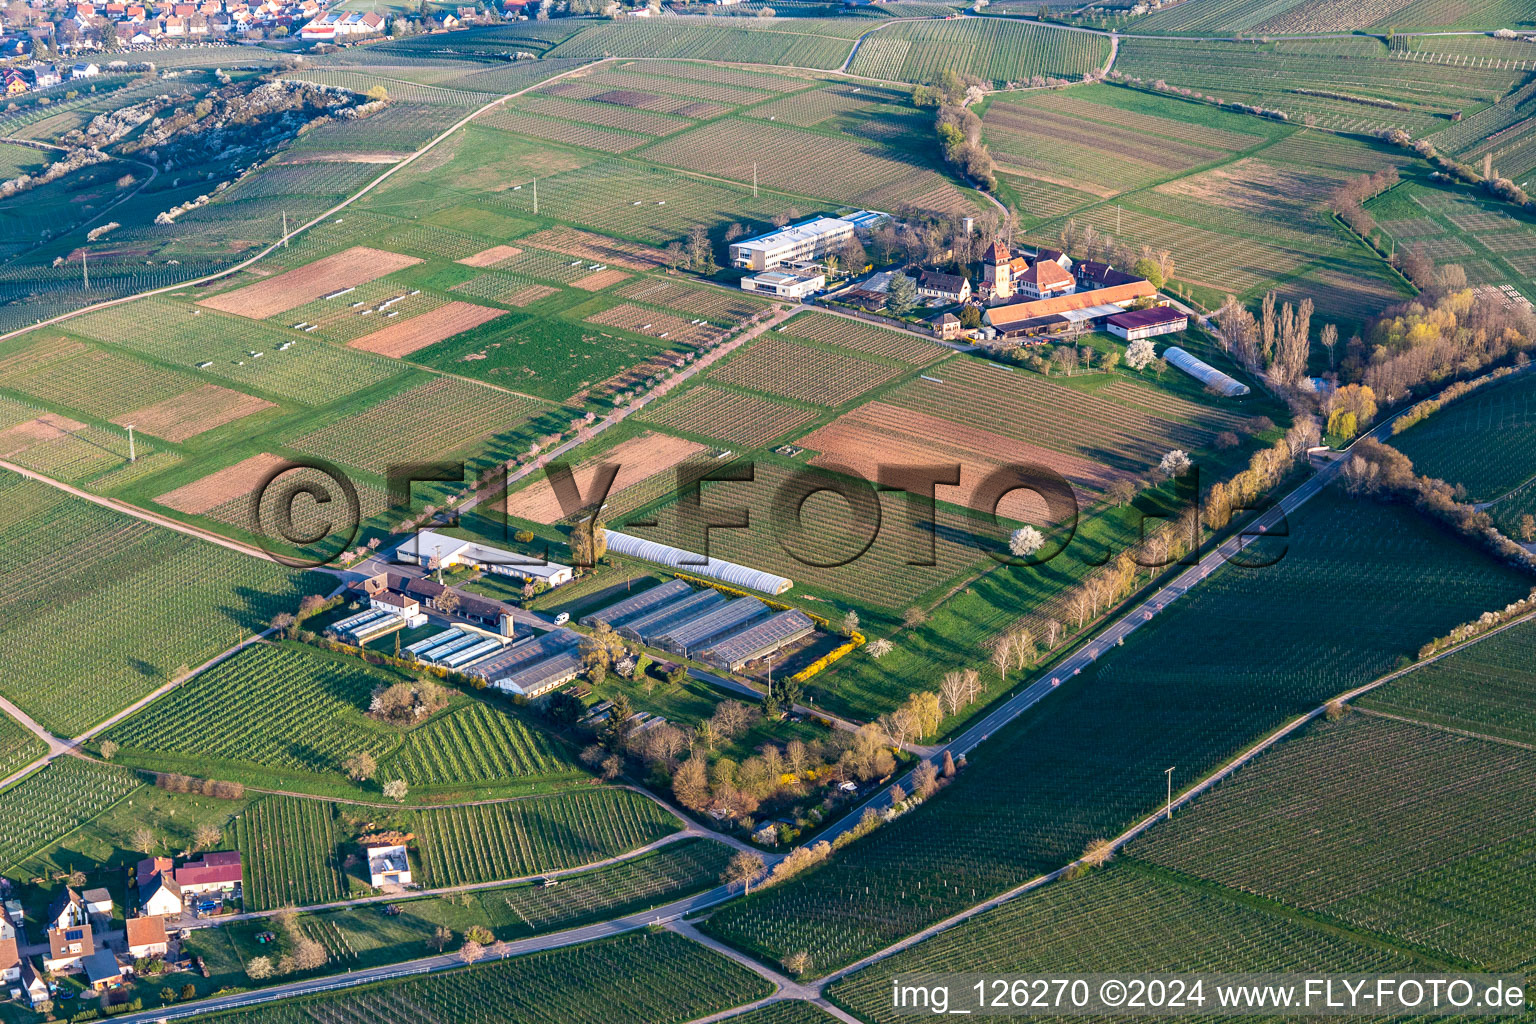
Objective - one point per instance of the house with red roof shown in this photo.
(215, 872)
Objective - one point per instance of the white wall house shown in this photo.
(388, 864)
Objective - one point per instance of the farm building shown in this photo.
(427, 545)
(1082, 309)
(673, 614)
(692, 562)
(700, 631)
(214, 872)
(945, 287)
(67, 947)
(946, 327)
(533, 666)
(146, 937)
(1147, 323)
(403, 605)
(759, 641)
(388, 864)
(805, 242)
(491, 614)
(785, 285)
(1205, 373)
(999, 267)
(636, 605)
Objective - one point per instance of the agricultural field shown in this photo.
(787, 369)
(478, 744)
(820, 43)
(736, 417)
(1119, 919)
(449, 415)
(290, 851)
(1126, 426)
(1491, 241)
(361, 937)
(54, 801)
(284, 707)
(18, 746)
(830, 547)
(95, 582)
(1390, 826)
(1353, 84)
(991, 48)
(659, 977)
(1486, 441)
(864, 338)
(1278, 17)
(1485, 689)
(1046, 786)
(646, 466)
(513, 839)
(794, 160)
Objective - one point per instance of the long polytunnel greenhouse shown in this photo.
(695, 563)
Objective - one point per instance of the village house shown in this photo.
(215, 872)
(10, 965)
(67, 947)
(945, 287)
(946, 327)
(67, 910)
(147, 937)
(98, 903)
(1043, 280)
(481, 610)
(160, 896)
(33, 985)
(15, 83)
(10, 923)
(45, 76)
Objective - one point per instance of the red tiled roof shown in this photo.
(1006, 316)
(1046, 274)
(146, 931)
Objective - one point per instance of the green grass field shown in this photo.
(1392, 827)
(658, 978)
(1089, 760)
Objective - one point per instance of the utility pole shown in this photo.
(535, 197)
(132, 456)
(285, 229)
(754, 179)
(1117, 218)
(1169, 815)
(85, 269)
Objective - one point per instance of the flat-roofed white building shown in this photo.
(785, 285)
(812, 240)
